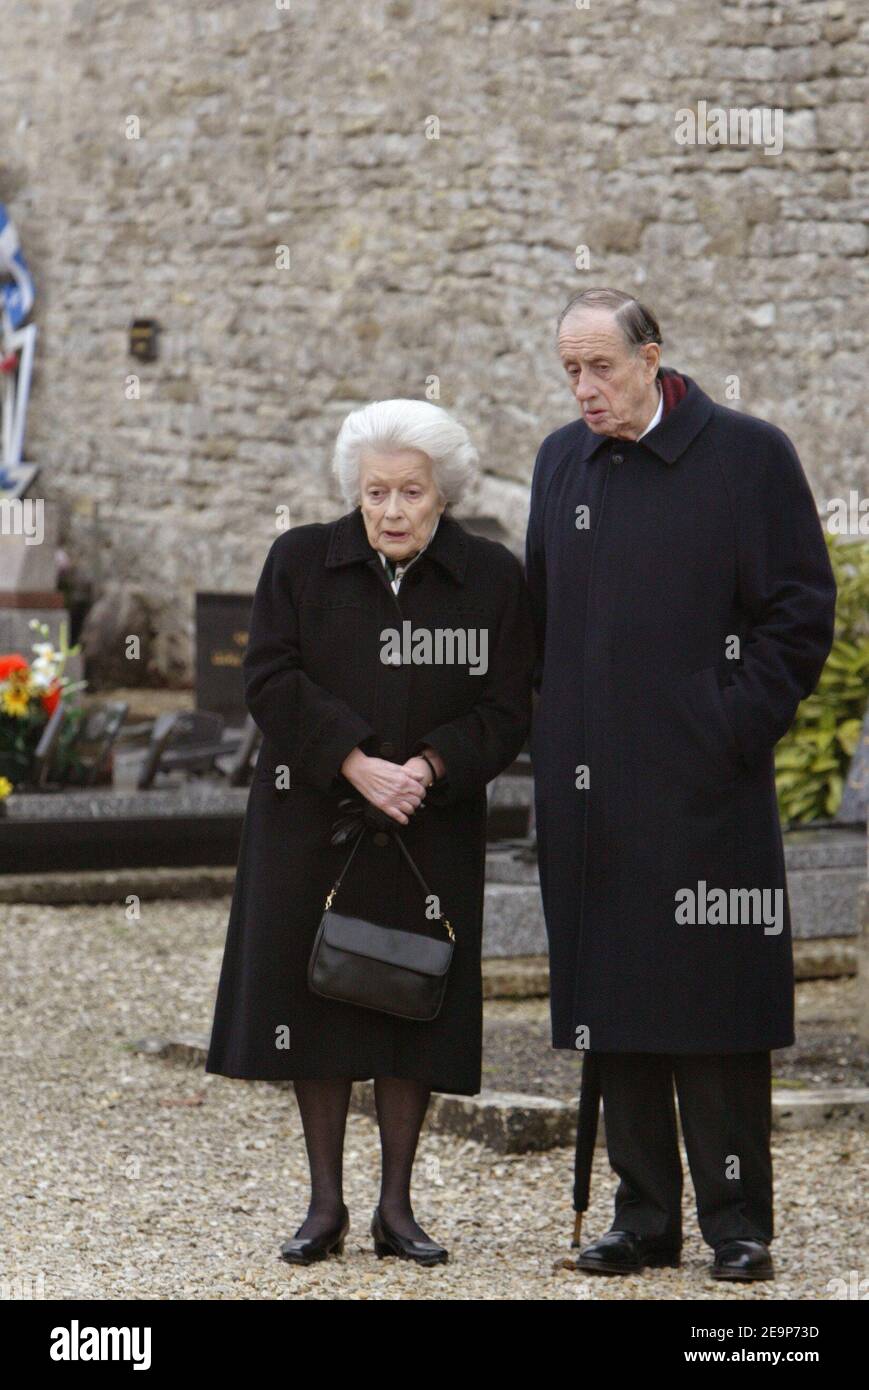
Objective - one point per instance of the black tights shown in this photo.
(401, 1107)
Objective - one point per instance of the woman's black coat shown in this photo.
(316, 686)
(705, 530)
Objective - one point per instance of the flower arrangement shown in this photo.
(30, 692)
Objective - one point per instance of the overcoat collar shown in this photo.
(350, 544)
(672, 435)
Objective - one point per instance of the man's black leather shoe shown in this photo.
(623, 1252)
(742, 1259)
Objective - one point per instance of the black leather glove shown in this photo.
(355, 811)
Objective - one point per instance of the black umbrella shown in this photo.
(586, 1137)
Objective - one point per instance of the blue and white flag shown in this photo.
(17, 297)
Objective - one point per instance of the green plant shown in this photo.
(812, 759)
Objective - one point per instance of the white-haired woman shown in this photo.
(390, 658)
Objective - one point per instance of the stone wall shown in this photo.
(411, 257)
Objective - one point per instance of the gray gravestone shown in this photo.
(28, 579)
(222, 623)
(28, 562)
(855, 798)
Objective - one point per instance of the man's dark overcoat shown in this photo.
(316, 686)
(703, 531)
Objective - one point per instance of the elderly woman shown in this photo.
(346, 678)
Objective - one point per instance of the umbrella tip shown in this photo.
(577, 1230)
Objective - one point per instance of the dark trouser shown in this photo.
(725, 1106)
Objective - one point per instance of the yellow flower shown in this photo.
(16, 700)
(5, 787)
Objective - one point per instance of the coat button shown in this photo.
(381, 838)
(618, 458)
(387, 748)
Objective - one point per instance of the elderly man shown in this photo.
(684, 604)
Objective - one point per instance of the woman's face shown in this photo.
(399, 501)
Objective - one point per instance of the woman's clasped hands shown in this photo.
(397, 790)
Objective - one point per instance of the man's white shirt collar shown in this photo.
(657, 415)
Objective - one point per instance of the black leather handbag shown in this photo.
(376, 967)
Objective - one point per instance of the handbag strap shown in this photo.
(415, 871)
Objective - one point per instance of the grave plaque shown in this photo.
(222, 622)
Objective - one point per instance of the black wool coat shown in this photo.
(316, 686)
(703, 531)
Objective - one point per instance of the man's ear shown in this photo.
(651, 359)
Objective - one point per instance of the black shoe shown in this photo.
(389, 1242)
(741, 1258)
(306, 1250)
(623, 1252)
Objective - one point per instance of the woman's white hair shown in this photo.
(384, 427)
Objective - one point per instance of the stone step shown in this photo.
(511, 862)
(113, 885)
(513, 922)
(844, 847)
(511, 1122)
(527, 977)
(824, 906)
(516, 977)
(826, 870)
(824, 902)
(511, 789)
(826, 847)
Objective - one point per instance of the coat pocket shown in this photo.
(703, 704)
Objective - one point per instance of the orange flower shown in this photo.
(13, 661)
(50, 698)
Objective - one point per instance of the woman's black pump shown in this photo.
(307, 1250)
(389, 1242)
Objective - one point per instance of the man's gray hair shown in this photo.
(637, 323)
(385, 427)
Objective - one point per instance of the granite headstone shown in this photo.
(855, 798)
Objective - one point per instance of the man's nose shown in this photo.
(584, 389)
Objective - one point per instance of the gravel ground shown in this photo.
(125, 1177)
